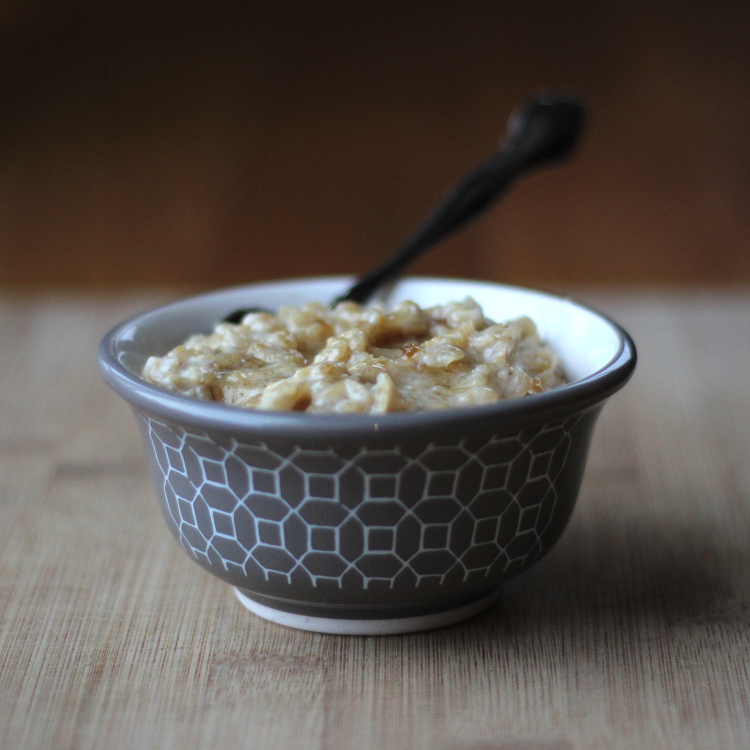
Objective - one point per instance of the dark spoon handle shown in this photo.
(544, 131)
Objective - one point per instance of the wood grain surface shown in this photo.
(632, 633)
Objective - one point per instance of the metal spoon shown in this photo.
(543, 131)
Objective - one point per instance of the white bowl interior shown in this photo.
(585, 341)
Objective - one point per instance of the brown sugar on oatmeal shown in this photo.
(361, 360)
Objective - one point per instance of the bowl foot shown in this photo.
(389, 626)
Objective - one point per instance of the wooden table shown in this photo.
(632, 633)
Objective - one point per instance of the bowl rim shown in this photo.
(572, 397)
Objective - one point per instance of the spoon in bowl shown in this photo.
(543, 131)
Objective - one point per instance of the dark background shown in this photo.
(202, 144)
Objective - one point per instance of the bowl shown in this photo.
(370, 524)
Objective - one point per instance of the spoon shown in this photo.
(543, 131)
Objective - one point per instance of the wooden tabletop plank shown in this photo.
(633, 632)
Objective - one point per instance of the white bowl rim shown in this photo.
(578, 395)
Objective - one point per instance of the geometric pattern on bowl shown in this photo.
(369, 516)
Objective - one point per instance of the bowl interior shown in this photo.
(585, 341)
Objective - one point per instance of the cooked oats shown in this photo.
(361, 360)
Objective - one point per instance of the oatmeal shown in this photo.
(355, 359)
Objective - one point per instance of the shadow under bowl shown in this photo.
(366, 524)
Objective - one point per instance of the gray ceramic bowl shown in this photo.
(370, 524)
